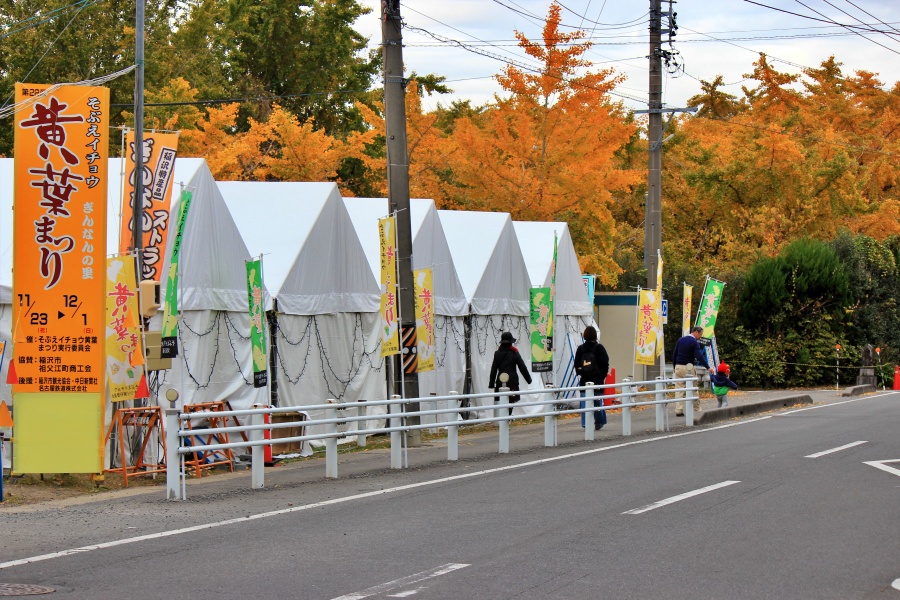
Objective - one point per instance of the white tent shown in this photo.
(323, 291)
(213, 362)
(572, 306)
(430, 249)
(495, 280)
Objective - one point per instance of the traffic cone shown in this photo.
(610, 378)
(897, 377)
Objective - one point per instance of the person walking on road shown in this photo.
(720, 381)
(687, 352)
(506, 361)
(592, 366)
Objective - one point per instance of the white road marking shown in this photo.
(838, 449)
(274, 513)
(896, 584)
(678, 498)
(390, 585)
(881, 464)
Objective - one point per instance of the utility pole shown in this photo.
(137, 232)
(653, 209)
(398, 199)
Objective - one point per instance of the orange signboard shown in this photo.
(158, 156)
(59, 239)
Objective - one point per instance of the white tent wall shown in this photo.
(572, 305)
(214, 362)
(495, 280)
(326, 299)
(6, 240)
(430, 249)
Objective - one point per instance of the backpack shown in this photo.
(590, 370)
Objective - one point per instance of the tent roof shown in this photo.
(212, 272)
(489, 261)
(430, 247)
(313, 262)
(536, 241)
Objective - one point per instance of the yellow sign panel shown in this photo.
(59, 239)
(125, 358)
(647, 323)
(424, 319)
(58, 433)
(158, 156)
(390, 323)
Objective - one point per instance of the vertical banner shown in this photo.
(424, 318)
(169, 342)
(708, 311)
(257, 322)
(686, 310)
(539, 329)
(590, 282)
(390, 324)
(659, 294)
(124, 354)
(59, 257)
(159, 151)
(552, 297)
(645, 340)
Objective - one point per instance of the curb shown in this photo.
(858, 390)
(732, 412)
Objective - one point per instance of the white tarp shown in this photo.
(495, 280)
(430, 249)
(327, 340)
(214, 362)
(572, 307)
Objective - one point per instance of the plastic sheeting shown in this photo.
(313, 262)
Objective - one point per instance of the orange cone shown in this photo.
(610, 378)
(11, 378)
(267, 434)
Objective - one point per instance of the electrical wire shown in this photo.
(27, 24)
(849, 28)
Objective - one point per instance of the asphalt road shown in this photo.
(782, 505)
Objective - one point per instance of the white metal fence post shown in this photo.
(257, 452)
(173, 458)
(550, 424)
(660, 408)
(331, 452)
(504, 424)
(627, 399)
(396, 436)
(689, 402)
(361, 439)
(588, 415)
(453, 432)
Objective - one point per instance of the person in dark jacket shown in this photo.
(687, 352)
(592, 366)
(720, 381)
(506, 361)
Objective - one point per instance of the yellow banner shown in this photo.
(645, 341)
(390, 325)
(59, 239)
(125, 356)
(158, 156)
(424, 319)
(686, 310)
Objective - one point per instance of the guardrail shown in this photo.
(657, 393)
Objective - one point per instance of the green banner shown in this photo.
(257, 322)
(540, 328)
(169, 343)
(709, 307)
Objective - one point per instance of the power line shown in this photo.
(849, 28)
(53, 14)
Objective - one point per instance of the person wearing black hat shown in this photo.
(506, 360)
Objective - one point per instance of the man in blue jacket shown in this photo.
(687, 352)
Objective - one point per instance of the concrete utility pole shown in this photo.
(398, 197)
(137, 208)
(653, 224)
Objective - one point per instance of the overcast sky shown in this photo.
(714, 37)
